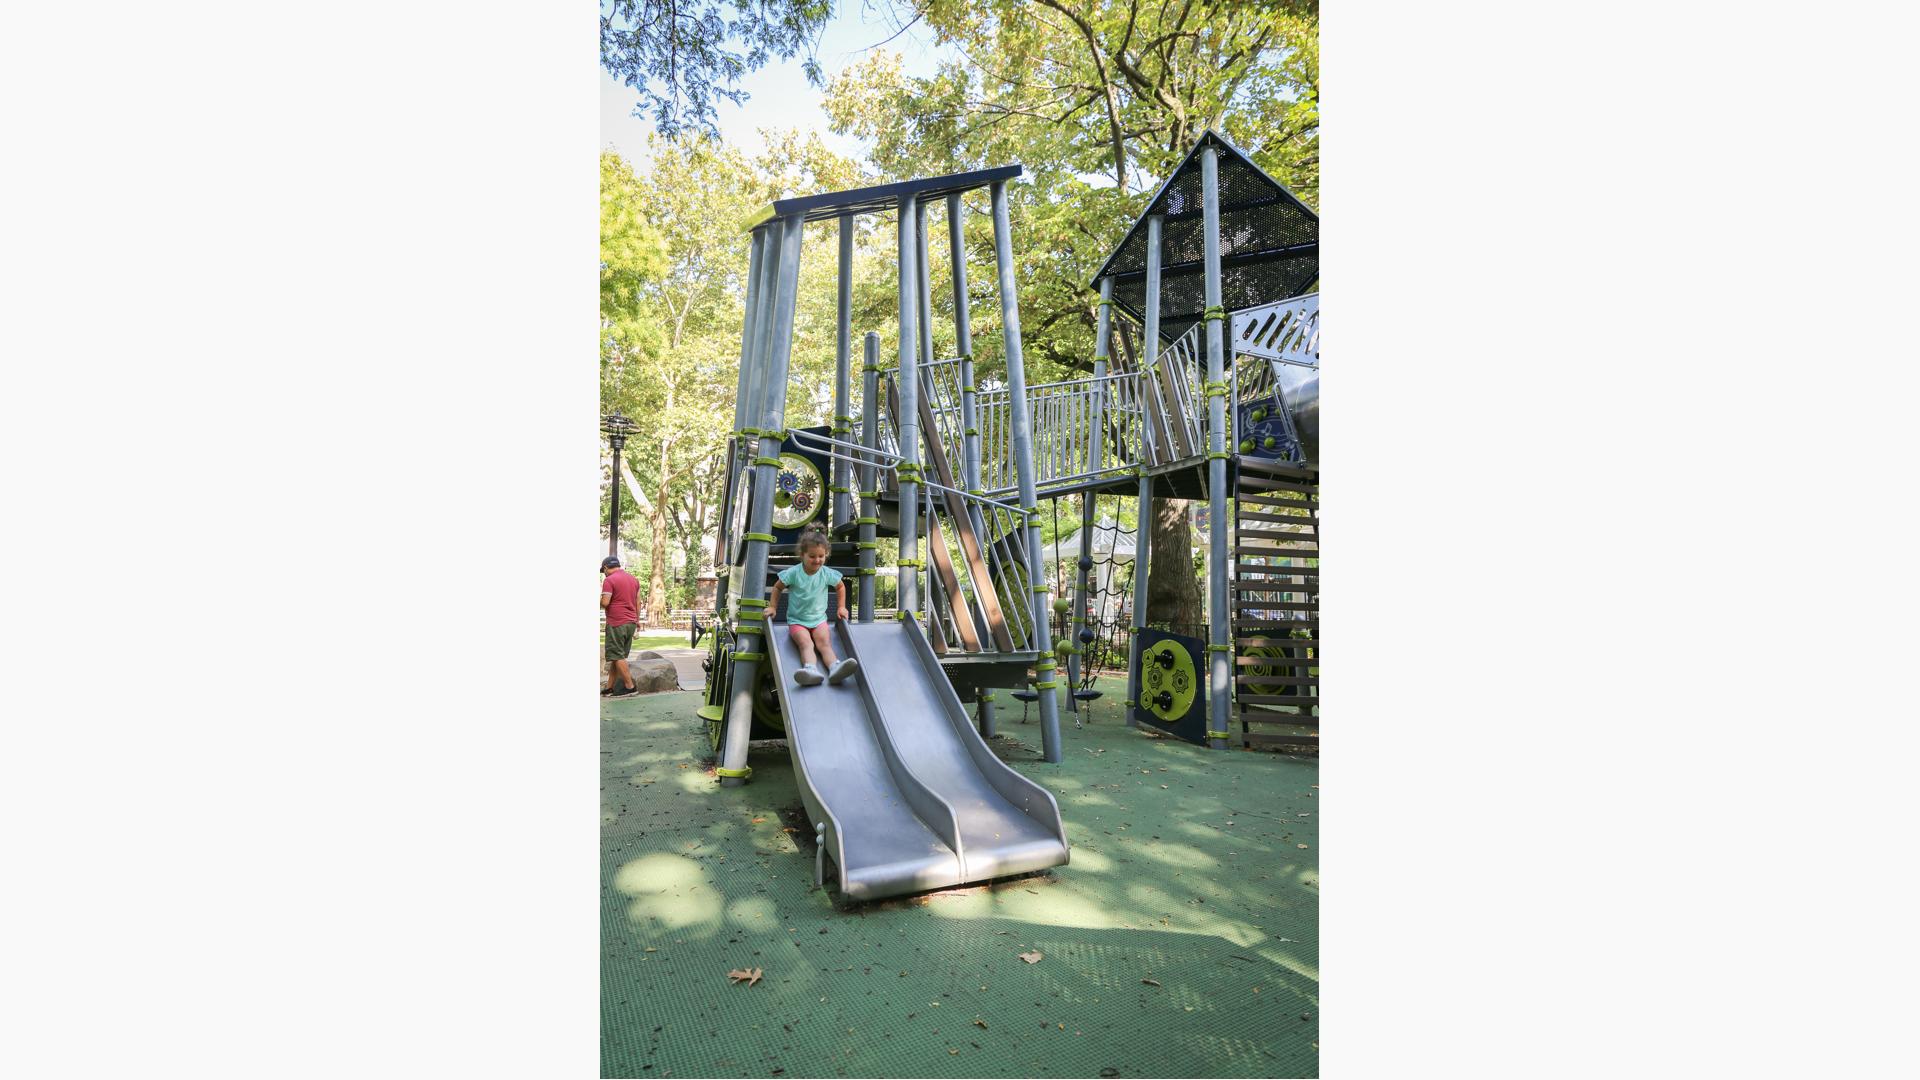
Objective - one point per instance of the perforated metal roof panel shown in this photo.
(1269, 243)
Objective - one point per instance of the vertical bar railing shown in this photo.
(869, 475)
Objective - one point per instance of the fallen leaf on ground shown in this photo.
(1301, 846)
(758, 820)
(749, 975)
(1150, 982)
(980, 1024)
(1032, 957)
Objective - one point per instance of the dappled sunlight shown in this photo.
(753, 913)
(972, 904)
(1285, 958)
(1180, 855)
(1052, 907)
(669, 891)
(1198, 831)
(1150, 897)
(656, 758)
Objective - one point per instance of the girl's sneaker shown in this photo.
(807, 676)
(843, 671)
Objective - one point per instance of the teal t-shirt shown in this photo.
(807, 594)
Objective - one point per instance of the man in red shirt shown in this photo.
(620, 597)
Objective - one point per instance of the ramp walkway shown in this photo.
(904, 794)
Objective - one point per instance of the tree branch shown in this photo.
(1113, 104)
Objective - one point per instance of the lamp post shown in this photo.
(617, 427)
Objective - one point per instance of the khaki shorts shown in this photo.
(620, 641)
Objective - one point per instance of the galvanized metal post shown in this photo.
(1102, 326)
(748, 339)
(956, 247)
(763, 324)
(969, 408)
(969, 417)
(1143, 528)
(751, 637)
(908, 422)
(749, 342)
(924, 309)
(924, 275)
(1219, 649)
(869, 473)
(842, 380)
(1023, 471)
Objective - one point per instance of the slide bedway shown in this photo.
(903, 792)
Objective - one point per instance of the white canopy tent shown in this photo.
(1110, 548)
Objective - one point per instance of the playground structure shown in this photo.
(901, 787)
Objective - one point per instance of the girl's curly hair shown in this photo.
(812, 538)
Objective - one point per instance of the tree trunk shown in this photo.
(1173, 591)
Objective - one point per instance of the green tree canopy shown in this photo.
(1099, 99)
(681, 56)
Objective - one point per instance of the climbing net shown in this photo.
(1100, 634)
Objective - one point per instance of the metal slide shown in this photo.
(903, 793)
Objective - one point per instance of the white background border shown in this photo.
(299, 429)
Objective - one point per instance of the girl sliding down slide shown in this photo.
(807, 611)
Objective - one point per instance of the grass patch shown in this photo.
(666, 639)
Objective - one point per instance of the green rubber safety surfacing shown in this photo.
(1200, 886)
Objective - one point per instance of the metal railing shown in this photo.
(1066, 416)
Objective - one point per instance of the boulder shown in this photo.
(654, 675)
(649, 655)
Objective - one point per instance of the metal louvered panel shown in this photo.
(1287, 332)
(1276, 615)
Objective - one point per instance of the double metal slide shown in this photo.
(903, 793)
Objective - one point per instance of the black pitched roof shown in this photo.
(1269, 243)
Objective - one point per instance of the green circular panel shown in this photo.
(1177, 682)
